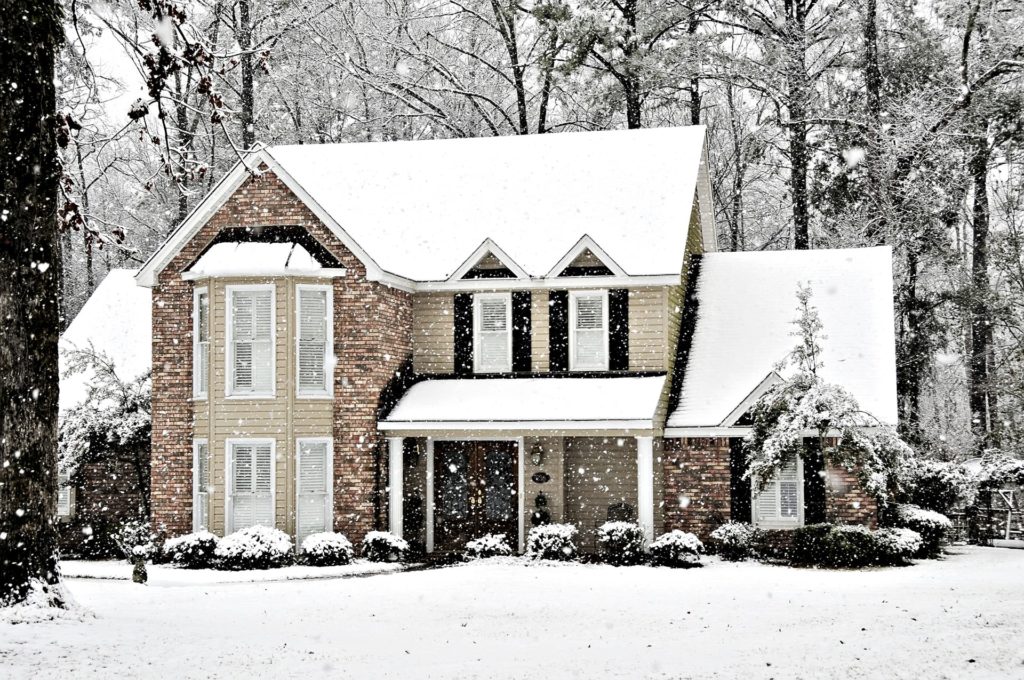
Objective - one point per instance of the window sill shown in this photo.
(250, 397)
(315, 397)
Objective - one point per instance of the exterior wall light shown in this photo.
(537, 453)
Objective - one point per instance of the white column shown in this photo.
(520, 493)
(430, 495)
(645, 485)
(395, 485)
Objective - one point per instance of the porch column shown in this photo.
(395, 465)
(430, 495)
(645, 486)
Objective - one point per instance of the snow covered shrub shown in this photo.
(834, 546)
(488, 545)
(256, 547)
(677, 549)
(136, 541)
(192, 551)
(382, 546)
(621, 542)
(327, 549)
(938, 485)
(931, 525)
(552, 542)
(733, 541)
(897, 545)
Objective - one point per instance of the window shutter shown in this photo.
(522, 343)
(312, 506)
(618, 329)
(312, 340)
(589, 333)
(558, 330)
(814, 482)
(463, 345)
(739, 488)
(493, 335)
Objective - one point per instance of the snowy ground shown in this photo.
(955, 618)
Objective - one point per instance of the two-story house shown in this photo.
(449, 338)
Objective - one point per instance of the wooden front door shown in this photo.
(475, 492)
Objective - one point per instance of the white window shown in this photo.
(492, 332)
(65, 495)
(588, 330)
(201, 483)
(250, 341)
(200, 343)
(780, 504)
(250, 497)
(313, 506)
(313, 331)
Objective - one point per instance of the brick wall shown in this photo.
(372, 340)
(846, 502)
(106, 493)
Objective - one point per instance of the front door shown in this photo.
(475, 491)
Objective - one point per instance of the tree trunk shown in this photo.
(691, 30)
(30, 272)
(876, 229)
(248, 95)
(982, 401)
(631, 80)
(912, 353)
(799, 154)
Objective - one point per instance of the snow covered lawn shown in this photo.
(959, 617)
(164, 575)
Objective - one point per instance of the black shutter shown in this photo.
(618, 331)
(814, 482)
(463, 333)
(558, 330)
(739, 488)
(522, 345)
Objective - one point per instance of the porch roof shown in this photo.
(508, 404)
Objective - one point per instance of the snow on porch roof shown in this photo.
(535, 403)
(255, 259)
(116, 321)
(746, 303)
(420, 208)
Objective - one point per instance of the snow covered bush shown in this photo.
(256, 547)
(136, 541)
(834, 546)
(326, 549)
(897, 545)
(932, 526)
(192, 551)
(676, 549)
(621, 542)
(939, 486)
(1000, 469)
(382, 546)
(488, 545)
(734, 541)
(552, 542)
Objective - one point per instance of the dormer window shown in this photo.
(588, 330)
(492, 333)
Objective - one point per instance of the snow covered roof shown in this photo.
(116, 321)
(417, 209)
(746, 303)
(255, 259)
(537, 403)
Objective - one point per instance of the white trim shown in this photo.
(229, 491)
(478, 298)
(520, 492)
(488, 247)
(430, 495)
(196, 444)
(585, 243)
(645, 486)
(64, 485)
(229, 351)
(743, 431)
(396, 478)
(488, 425)
(325, 273)
(779, 522)
(328, 472)
(197, 293)
(574, 295)
(581, 282)
(328, 391)
(748, 401)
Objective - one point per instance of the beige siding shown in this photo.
(648, 326)
(433, 332)
(539, 330)
(599, 471)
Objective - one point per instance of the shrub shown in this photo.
(897, 545)
(136, 541)
(552, 542)
(488, 545)
(192, 551)
(382, 546)
(932, 526)
(326, 549)
(734, 541)
(621, 542)
(256, 547)
(827, 545)
(939, 486)
(677, 549)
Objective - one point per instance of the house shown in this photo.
(449, 338)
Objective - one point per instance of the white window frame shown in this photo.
(196, 444)
(574, 295)
(779, 522)
(478, 298)
(64, 482)
(229, 372)
(197, 294)
(329, 501)
(229, 470)
(328, 391)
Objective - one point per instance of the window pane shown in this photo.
(590, 312)
(493, 315)
(313, 319)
